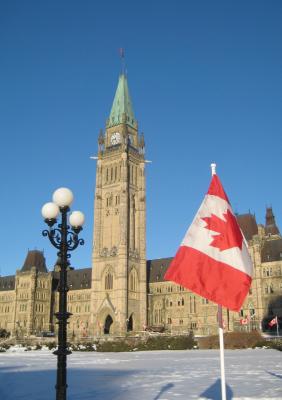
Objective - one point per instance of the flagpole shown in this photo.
(220, 331)
(277, 326)
(221, 347)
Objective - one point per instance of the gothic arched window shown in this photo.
(158, 314)
(109, 281)
(133, 280)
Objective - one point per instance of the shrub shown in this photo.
(168, 343)
(51, 345)
(4, 333)
(116, 346)
(83, 346)
(5, 346)
(183, 342)
(275, 344)
(234, 340)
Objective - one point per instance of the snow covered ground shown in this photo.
(155, 375)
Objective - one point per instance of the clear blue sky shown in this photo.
(205, 79)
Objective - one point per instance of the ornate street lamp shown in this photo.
(65, 240)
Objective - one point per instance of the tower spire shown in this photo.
(270, 224)
(122, 110)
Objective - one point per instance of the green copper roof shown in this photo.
(122, 105)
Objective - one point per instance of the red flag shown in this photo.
(213, 260)
(273, 322)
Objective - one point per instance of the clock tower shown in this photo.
(119, 283)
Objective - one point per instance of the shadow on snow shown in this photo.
(214, 391)
(106, 384)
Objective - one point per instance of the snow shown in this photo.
(155, 375)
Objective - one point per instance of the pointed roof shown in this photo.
(248, 225)
(122, 105)
(34, 258)
(270, 224)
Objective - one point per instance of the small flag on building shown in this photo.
(244, 321)
(273, 322)
(213, 259)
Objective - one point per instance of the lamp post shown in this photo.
(65, 240)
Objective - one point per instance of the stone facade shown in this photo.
(178, 310)
(123, 292)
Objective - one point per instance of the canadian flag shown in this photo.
(213, 259)
(273, 322)
(244, 321)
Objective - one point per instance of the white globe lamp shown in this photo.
(50, 211)
(63, 197)
(76, 219)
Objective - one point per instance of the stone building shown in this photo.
(123, 291)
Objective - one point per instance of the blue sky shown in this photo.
(205, 79)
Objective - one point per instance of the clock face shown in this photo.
(115, 138)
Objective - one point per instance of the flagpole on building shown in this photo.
(220, 331)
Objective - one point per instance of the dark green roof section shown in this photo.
(122, 105)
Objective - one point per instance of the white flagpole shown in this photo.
(220, 330)
(221, 348)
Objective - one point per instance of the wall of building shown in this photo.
(28, 309)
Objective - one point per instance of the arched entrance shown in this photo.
(130, 324)
(108, 323)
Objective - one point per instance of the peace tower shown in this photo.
(119, 282)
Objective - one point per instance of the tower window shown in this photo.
(109, 201)
(109, 281)
(136, 176)
(133, 281)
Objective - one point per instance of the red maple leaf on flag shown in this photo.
(229, 234)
